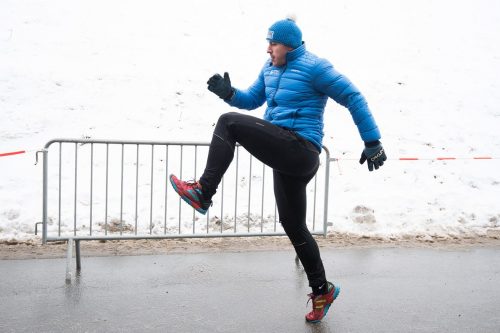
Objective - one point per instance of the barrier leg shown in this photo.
(69, 255)
(77, 253)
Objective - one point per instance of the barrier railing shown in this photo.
(109, 190)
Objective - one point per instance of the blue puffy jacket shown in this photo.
(297, 92)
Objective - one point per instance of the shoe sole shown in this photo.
(327, 307)
(186, 199)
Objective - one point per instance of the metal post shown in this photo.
(91, 184)
(180, 177)
(121, 191)
(60, 189)
(262, 201)
(221, 204)
(166, 192)
(76, 188)
(327, 186)
(314, 201)
(136, 186)
(151, 194)
(275, 214)
(249, 193)
(45, 192)
(195, 178)
(107, 189)
(236, 188)
(77, 253)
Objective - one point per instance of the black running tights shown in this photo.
(294, 161)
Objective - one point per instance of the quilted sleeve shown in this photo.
(330, 82)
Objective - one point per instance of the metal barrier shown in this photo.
(111, 190)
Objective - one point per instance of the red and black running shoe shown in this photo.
(191, 193)
(321, 303)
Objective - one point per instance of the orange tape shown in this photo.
(13, 153)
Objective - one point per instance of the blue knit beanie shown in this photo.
(285, 32)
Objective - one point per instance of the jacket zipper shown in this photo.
(278, 85)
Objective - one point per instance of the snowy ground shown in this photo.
(137, 70)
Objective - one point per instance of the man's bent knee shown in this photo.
(228, 117)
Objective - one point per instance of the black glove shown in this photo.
(221, 86)
(373, 153)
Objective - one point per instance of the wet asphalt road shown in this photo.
(382, 290)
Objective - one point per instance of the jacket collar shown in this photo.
(294, 54)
